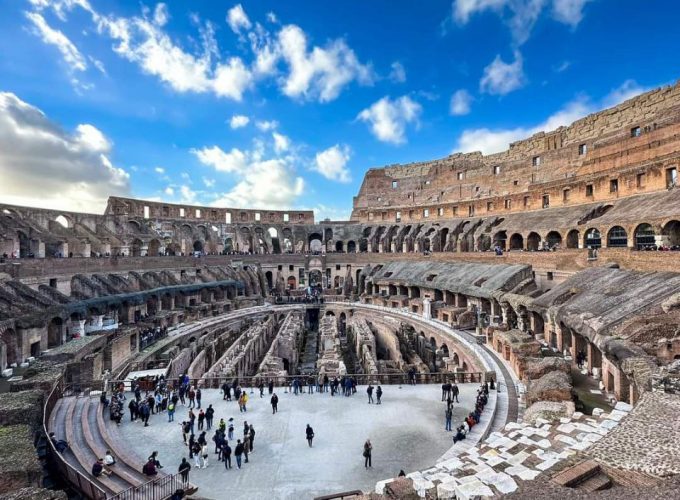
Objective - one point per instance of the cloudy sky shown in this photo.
(276, 104)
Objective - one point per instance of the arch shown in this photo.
(292, 283)
(593, 238)
(315, 277)
(136, 247)
(572, 238)
(445, 349)
(9, 348)
(270, 279)
(154, 248)
(516, 242)
(228, 245)
(55, 332)
(484, 243)
(554, 239)
(274, 235)
(336, 282)
(351, 247)
(456, 359)
(415, 292)
(287, 245)
(63, 221)
(533, 241)
(672, 230)
(499, 239)
(339, 246)
(314, 242)
(443, 236)
(198, 246)
(134, 226)
(644, 236)
(24, 244)
(328, 234)
(617, 237)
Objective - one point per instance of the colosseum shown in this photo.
(542, 282)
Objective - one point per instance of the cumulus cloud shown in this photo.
(501, 78)
(388, 118)
(43, 165)
(520, 16)
(238, 121)
(322, 212)
(398, 72)
(169, 191)
(159, 170)
(161, 14)
(237, 19)
(222, 161)
(460, 103)
(332, 163)
(493, 141)
(266, 125)
(281, 142)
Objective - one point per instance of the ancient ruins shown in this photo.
(550, 270)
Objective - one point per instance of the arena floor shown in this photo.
(407, 432)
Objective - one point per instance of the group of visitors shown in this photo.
(474, 416)
(149, 336)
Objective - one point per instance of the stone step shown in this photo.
(574, 476)
(595, 483)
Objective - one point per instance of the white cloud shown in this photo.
(569, 11)
(69, 52)
(209, 183)
(332, 163)
(320, 72)
(159, 170)
(388, 118)
(493, 141)
(271, 17)
(161, 14)
(238, 121)
(232, 79)
(562, 67)
(238, 19)
(501, 78)
(281, 142)
(398, 73)
(460, 103)
(232, 161)
(520, 15)
(43, 165)
(169, 191)
(322, 212)
(266, 126)
(186, 194)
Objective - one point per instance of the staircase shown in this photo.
(586, 476)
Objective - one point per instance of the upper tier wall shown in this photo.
(639, 136)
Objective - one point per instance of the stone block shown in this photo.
(7, 373)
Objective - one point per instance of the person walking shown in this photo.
(184, 468)
(226, 455)
(378, 394)
(192, 398)
(261, 387)
(275, 403)
(171, 411)
(369, 391)
(201, 420)
(454, 392)
(448, 414)
(209, 415)
(310, 435)
(251, 437)
(238, 452)
(204, 455)
(198, 398)
(368, 451)
(231, 429)
(271, 387)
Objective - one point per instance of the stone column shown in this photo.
(427, 308)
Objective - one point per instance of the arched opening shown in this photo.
(554, 240)
(198, 246)
(315, 278)
(499, 239)
(445, 350)
(315, 244)
(617, 238)
(593, 239)
(363, 245)
(136, 247)
(133, 226)
(292, 283)
(62, 221)
(415, 292)
(533, 241)
(336, 282)
(443, 235)
(516, 242)
(154, 248)
(228, 245)
(351, 247)
(328, 234)
(24, 244)
(55, 332)
(456, 359)
(339, 246)
(9, 349)
(342, 324)
(672, 231)
(270, 279)
(484, 243)
(274, 235)
(572, 238)
(644, 236)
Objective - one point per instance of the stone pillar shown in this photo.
(427, 308)
(40, 250)
(393, 247)
(404, 247)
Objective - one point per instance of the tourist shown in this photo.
(154, 458)
(226, 392)
(275, 403)
(192, 420)
(401, 473)
(251, 436)
(109, 460)
(222, 426)
(209, 415)
(310, 435)
(98, 468)
(198, 397)
(201, 420)
(144, 413)
(231, 429)
(242, 401)
(378, 394)
(132, 406)
(186, 430)
(226, 455)
(196, 453)
(184, 468)
(454, 392)
(59, 444)
(192, 398)
(246, 447)
(171, 411)
(261, 387)
(460, 434)
(178, 494)
(192, 442)
(149, 468)
(271, 387)
(204, 455)
(448, 415)
(444, 391)
(368, 451)
(218, 439)
(238, 452)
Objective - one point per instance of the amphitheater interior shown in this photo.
(550, 272)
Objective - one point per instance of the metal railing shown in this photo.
(157, 489)
(286, 381)
(340, 496)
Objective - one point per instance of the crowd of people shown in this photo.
(473, 417)
(150, 336)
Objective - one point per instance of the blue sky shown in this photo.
(275, 104)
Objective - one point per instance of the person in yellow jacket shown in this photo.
(242, 400)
